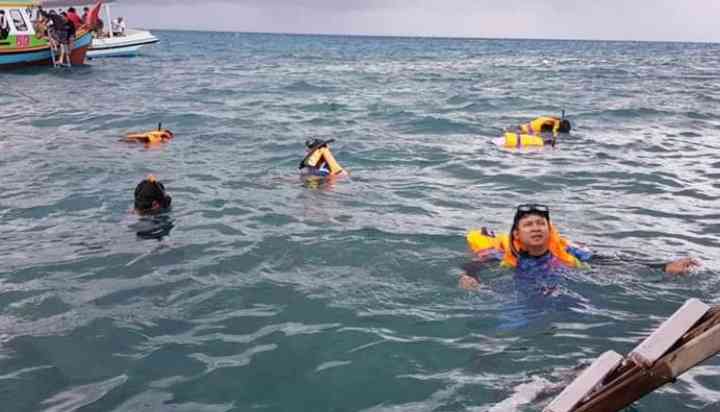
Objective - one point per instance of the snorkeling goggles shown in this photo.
(521, 212)
(144, 198)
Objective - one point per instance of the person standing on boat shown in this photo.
(58, 32)
(71, 30)
(96, 27)
(118, 27)
(4, 26)
(73, 18)
(121, 26)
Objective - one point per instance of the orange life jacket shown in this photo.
(479, 242)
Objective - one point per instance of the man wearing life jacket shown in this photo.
(319, 160)
(150, 197)
(535, 244)
(546, 124)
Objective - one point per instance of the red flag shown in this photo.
(92, 17)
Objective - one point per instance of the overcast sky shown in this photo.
(680, 20)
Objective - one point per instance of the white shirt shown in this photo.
(118, 26)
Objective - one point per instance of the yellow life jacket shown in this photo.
(154, 136)
(479, 242)
(541, 124)
(514, 140)
(324, 155)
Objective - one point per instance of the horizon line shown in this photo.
(438, 37)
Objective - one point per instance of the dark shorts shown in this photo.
(60, 36)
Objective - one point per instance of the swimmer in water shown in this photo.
(319, 160)
(534, 244)
(546, 124)
(150, 197)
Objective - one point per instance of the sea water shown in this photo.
(260, 292)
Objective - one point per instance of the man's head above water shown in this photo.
(531, 227)
(150, 196)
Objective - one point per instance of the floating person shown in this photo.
(159, 135)
(543, 131)
(534, 245)
(545, 124)
(319, 161)
(151, 197)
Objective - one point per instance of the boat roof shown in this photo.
(68, 3)
(49, 3)
(19, 3)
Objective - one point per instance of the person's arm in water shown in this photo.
(470, 278)
(680, 266)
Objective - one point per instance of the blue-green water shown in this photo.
(270, 295)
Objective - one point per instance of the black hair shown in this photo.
(565, 126)
(149, 191)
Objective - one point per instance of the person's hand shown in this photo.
(682, 266)
(468, 282)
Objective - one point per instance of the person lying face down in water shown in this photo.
(319, 160)
(543, 131)
(547, 124)
(535, 244)
(150, 197)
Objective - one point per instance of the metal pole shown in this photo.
(109, 19)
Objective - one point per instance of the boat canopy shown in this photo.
(48, 3)
(68, 3)
(18, 3)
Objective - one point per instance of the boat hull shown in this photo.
(121, 46)
(41, 55)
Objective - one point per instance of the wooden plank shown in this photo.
(632, 386)
(694, 352)
(585, 382)
(637, 381)
(669, 332)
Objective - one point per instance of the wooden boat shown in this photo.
(612, 382)
(24, 47)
